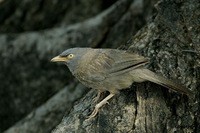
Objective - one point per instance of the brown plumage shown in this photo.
(111, 70)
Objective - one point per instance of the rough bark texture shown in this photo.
(148, 107)
(32, 86)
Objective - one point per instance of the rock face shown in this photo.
(168, 35)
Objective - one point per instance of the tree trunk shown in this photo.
(168, 35)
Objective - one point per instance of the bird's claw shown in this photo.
(99, 105)
(94, 113)
(95, 100)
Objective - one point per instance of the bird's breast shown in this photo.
(83, 77)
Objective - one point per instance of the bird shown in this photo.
(111, 70)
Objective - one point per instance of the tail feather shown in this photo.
(151, 76)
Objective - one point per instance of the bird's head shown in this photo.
(71, 57)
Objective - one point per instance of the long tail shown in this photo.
(146, 74)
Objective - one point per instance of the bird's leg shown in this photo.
(95, 100)
(99, 105)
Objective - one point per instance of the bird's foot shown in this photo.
(99, 105)
(94, 113)
(95, 100)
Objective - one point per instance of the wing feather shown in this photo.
(111, 62)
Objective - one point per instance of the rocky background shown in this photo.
(40, 96)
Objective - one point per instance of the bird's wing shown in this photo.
(124, 61)
(110, 62)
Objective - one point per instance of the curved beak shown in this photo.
(58, 59)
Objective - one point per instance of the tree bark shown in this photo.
(44, 118)
(169, 38)
(147, 107)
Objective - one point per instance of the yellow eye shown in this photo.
(70, 56)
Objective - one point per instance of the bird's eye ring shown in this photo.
(70, 56)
